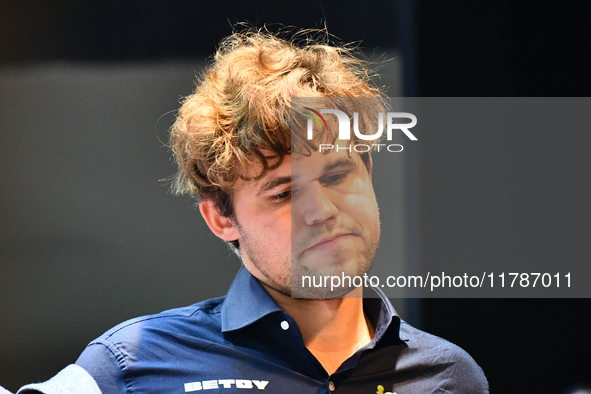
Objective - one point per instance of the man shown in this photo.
(289, 211)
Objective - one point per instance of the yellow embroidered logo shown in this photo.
(381, 390)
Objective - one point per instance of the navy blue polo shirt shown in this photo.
(244, 342)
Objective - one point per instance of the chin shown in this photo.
(335, 281)
(320, 293)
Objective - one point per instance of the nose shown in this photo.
(316, 205)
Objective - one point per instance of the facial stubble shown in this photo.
(287, 276)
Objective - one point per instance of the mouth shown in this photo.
(329, 242)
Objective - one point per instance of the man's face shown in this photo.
(314, 215)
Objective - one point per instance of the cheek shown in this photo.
(363, 203)
(280, 229)
(272, 229)
(364, 210)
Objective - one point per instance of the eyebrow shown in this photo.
(346, 162)
(273, 183)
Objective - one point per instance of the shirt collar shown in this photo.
(381, 314)
(247, 301)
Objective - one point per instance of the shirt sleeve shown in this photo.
(105, 364)
(70, 380)
(467, 376)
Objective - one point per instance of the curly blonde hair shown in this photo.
(241, 105)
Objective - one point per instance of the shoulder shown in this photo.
(201, 316)
(452, 368)
(155, 336)
(153, 342)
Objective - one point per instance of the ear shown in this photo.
(219, 224)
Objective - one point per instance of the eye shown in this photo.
(334, 179)
(283, 196)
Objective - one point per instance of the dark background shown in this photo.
(533, 204)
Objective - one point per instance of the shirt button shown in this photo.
(284, 325)
(331, 386)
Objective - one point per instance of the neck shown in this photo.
(332, 329)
